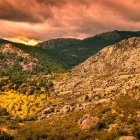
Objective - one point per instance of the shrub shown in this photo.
(136, 131)
(21, 106)
(20, 59)
(3, 112)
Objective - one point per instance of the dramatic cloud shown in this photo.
(44, 19)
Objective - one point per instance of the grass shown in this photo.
(67, 128)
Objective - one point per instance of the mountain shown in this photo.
(98, 99)
(58, 43)
(22, 67)
(62, 50)
(2, 41)
(23, 55)
(71, 52)
(104, 73)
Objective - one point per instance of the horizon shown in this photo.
(34, 42)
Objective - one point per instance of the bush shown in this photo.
(21, 106)
(20, 59)
(5, 136)
(136, 132)
(101, 125)
(3, 112)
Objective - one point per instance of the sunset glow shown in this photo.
(31, 42)
(46, 19)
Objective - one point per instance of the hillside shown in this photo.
(26, 75)
(2, 41)
(106, 72)
(71, 52)
(99, 99)
(21, 67)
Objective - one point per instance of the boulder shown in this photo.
(66, 109)
(88, 123)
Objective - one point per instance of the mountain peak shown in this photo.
(113, 35)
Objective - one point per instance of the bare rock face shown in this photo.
(127, 138)
(66, 109)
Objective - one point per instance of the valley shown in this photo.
(92, 96)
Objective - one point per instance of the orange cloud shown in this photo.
(45, 19)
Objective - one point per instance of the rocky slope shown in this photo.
(119, 61)
(112, 72)
(71, 52)
(99, 99)
(11, 55)
(26, 58)
(122, 57)
(25, 68)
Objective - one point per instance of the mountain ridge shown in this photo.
(70, 52)
(101, 94)
(77, 51)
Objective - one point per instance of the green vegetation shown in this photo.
(26, 69)
(34, 84)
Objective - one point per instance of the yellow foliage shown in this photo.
(20, 105)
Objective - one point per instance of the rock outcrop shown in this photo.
(58, 43)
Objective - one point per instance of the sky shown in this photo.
(32, 21)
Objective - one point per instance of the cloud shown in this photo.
(46, 19)
(24, 11)
(126, 9)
